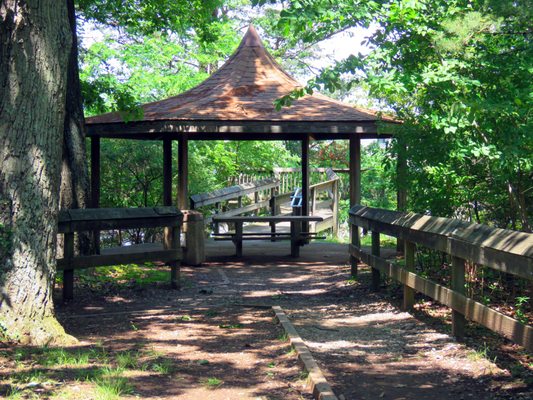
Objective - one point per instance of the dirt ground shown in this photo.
(220, 342)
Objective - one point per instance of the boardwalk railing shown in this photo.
(261, 190)
(500, 249)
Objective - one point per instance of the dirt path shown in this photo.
(217, 344)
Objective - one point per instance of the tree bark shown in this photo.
(35, 41)
(74, 192)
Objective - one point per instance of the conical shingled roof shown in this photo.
(245, 88)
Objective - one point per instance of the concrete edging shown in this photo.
(316, 380)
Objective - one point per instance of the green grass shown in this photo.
(127, 360)
(283, 337)
(164, 366)
(112, 385)
(231, 326)
(212, 382)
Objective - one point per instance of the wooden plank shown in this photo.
(233, 192)
(237, 211)
(325, 224)
(237, 130)
(143, 256)
(355, 240)
(477, 312)
(319, 385)
(276, 218)
(500, 249)
(117, 218)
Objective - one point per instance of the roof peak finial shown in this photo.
(251, 38)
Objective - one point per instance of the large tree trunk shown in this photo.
(74, 174)
(35, 42)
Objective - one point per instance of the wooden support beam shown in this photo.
(409, 293)
(305, 176)
(167, 172)
(376, 253)
(183, 173)
(355, 170)
(95, 184)
(305, 183)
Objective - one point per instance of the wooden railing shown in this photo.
(500, 249)
(98, 219)
(217, 198)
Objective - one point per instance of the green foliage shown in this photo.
(458, 73)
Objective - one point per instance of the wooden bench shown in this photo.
(296, 236)
(96, 219)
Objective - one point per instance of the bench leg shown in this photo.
(175, 279)
(68, 284)
(295, 239)
(238, 239)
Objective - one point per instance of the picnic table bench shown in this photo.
(296, 236)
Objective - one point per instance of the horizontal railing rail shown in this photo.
(499, 249)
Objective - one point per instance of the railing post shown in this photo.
(458, 285)
(356, 241)
(375, 252)
(68, 272)
(409, 293)
(193, 229)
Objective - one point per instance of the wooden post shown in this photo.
(95, 184)
(355, 176)
(401, 194)
(355, 239)
(355, 171)
(375, 252)
(458, 285)
(273, 213)
(68, 273)
(167, 172)
(296, 228)
(183, 173)
(172, 241)
(409, 293)
(305, 182)
(238, 238)
(335, 201)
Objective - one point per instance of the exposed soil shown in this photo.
(215, 328)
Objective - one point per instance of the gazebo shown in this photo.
(237, 103)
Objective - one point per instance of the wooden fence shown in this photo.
(500, 249)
